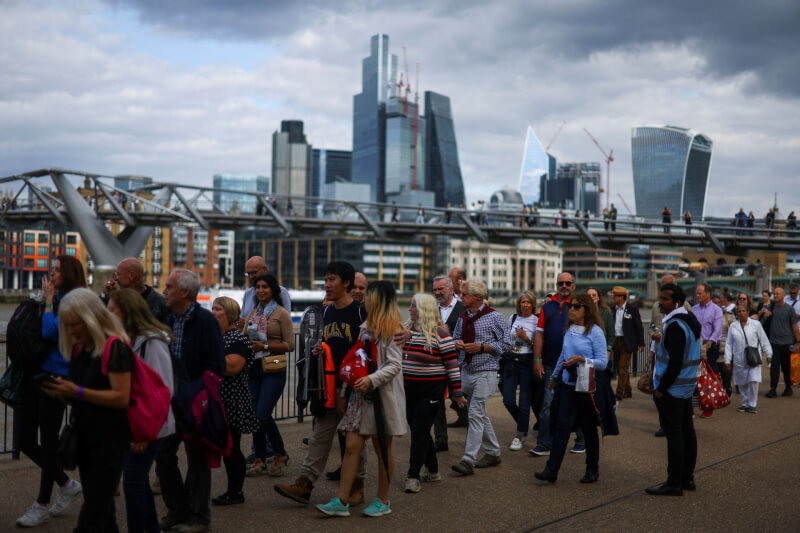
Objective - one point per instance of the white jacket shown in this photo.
(735, 343)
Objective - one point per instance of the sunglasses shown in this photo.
(564, 283)
(576, 307)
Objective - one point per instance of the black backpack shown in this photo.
(25, 345)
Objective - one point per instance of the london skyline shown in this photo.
(183, 91)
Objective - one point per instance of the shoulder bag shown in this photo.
(645, 383)
(67, 451)
(752, 356)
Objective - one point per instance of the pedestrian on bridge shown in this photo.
(687, 221)
(666, 218)
(629, 336)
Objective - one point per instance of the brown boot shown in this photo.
(299, 491)
(356, 492)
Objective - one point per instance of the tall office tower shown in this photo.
(535, 164)
(442, 169)
(291, 160)
(583, 181)
(403, 172)
(329, 166)
(245, 203)
(378, 84)
(670, 168)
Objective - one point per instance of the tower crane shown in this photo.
(625, 204)
(609, 158)
(547, 150)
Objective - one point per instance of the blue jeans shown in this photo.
(518, 374)
(139, 502)
(545, 438)
(266, 390)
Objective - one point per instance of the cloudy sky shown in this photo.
(183, 89)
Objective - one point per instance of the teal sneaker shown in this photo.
(335, 507)
(377, 508)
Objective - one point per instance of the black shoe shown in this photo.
(546, 475)
(334, 475)
(535, 427)
(438, 447)
(229, 498)
(689, 485)
(771, 394)
(664, 490)
(618, 397)
(458, 424)
(305, 441)
(590, 477)
(660, 433)
(787, 391)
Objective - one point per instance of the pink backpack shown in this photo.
(150, 398)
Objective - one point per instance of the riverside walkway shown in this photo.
(748, 476)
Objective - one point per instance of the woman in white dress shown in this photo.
(745, 332)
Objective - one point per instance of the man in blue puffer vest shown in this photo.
(674, 381)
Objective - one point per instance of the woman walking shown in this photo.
(151, 342)
(518, 366)
(269, 328)
(235, 395)
(584, 344)
(99, 401)
(359, 421)
(41, 415)
(430, 364)
(746, 332)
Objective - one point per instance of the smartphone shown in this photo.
(44, 377)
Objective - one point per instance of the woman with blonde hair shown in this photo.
(430, 364)
(518, 366)
(99, 401)
(151, 342)
(359, 421)
(235, 395)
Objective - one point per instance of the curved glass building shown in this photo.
(670, 168)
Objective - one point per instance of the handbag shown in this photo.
(645, 383)
(752, 356)
(585, 379)
(709, 389)
(272, 364)
(355, 364)
(11, 385)
(67, 452)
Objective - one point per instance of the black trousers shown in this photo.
(781, 360)
(235, 466)
(423, 401)
(675, 415)
(42, 416)
(188, 501)
(440, 426)
(575, 411)
(100, 463)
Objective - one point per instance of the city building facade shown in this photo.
(442, 167)
(329, 166)
(405, 148)
(670, 168)
(535, 168)
(587, 263)
(229, 200)
(291, 160)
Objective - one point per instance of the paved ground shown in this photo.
(748, 479)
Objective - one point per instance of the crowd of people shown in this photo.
(557, 364)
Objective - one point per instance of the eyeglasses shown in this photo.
(564, 283)
(576, 307)
(251, 275)
(742, 298)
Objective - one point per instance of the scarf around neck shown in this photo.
(468, 327)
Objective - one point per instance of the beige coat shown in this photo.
(388, 379)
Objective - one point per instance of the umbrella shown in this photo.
(379, 421)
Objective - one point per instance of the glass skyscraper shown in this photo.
(239, 182)
(329, 166)
(400, 143)
(535, 163)
(442, 169)
(291, 160)
(670, 168)
(378, 84)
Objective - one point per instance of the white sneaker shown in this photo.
(425, 475)
(516, 444)
(65, 496)
(412, 485)
(35, 515)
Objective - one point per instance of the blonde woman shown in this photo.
(383, 322)
(98, 400)
(430, 364)
(518, 366)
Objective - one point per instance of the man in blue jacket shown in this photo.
(198, 345)
(674, 381)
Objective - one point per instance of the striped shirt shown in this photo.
(437, 363)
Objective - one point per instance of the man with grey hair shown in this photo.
(784, 336)
(480, 341)
(130, 275)
(198, 346)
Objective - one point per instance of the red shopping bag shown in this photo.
(709, 389)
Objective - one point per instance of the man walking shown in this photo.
(629, 338)
(480, 340)
(710, 317)
(674, 382)
(793, 299)
(198, 345)
(130, 275)
(457, 276)
(450, 308)
(783, 335)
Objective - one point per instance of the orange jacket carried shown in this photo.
(329, 380)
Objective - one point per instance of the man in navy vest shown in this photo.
(674, 381)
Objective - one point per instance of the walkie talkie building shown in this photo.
(670, 168)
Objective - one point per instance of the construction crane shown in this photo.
(625, 204)
(547, 150)
(609, 158)
(416, 125)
